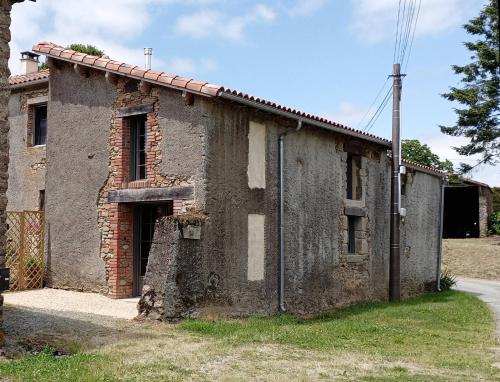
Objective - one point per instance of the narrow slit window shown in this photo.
(41, 200)
(351, 235)
(353, 186)
(137, 147)
(40, 119)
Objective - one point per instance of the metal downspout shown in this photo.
(440, 233)
(282, 307)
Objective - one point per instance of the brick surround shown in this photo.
(116, 221)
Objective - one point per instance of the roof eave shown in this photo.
(163, 84)
(306, 120)
(28, 84)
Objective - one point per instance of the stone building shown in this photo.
(27, 135)
(468, 206)
(171, 188)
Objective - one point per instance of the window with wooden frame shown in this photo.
(353, 186)
(39, 124)
(138, 137)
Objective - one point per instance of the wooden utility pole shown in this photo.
(395, 250)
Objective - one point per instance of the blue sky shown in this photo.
(327, 57)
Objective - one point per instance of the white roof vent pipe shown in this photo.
(148, 52)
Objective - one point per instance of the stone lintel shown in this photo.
(133, 195)
(355, 211)
(355, 259)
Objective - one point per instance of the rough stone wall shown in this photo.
(174, 286)
(79, 115)
(27, 163)
(5, 7)
(484, 214)
(419, 233)
(168, 164)
(320, 274)
(95, 252)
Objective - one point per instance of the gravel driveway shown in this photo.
(77, 302)
(35, 318)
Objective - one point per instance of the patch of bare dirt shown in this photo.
(473, 258)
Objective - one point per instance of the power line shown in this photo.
(400, 29)
(372, 104)
(379, 111)
(413, 35)
(397, 33)
(407, 29)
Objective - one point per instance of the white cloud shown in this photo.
(442, 145)
(375, 20)
(348, 114)
(112, 25)
(212, 23)
(184, 66)
(306, 7)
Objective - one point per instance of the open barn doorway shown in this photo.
(461, 212)
(145, 217)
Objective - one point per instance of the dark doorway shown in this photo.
(461, 212)
(145, 216)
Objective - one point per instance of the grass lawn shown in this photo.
(445, 336)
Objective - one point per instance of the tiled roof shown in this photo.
(424, 167)
(181, 83)
(25, 78)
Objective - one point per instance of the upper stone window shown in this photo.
(138, 136)
(40, 124)
(353, 186)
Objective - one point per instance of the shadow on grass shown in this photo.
(31, 330)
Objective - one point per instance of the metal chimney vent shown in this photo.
(148, 52)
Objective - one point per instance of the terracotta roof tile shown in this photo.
(423, 167)
(78, 56)
(152, 75)
(89, 59)
(101, 62)
(181, 83)
(165, 78)
(195, 85)
(26, 78)
(125, 68)
(138, 72)
(113, 65)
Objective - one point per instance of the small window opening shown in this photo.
(40, 120)
(137, 147)
(353, 189)
(41, 200)
(351, 235)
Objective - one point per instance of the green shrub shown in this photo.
(446, 281)
(495, 223)
(87, 49)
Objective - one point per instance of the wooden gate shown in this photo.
(25, 249)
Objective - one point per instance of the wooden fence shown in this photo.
(25, 249)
